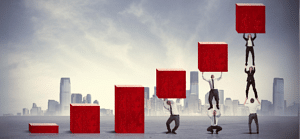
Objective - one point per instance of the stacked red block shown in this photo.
(43, 128)
(170, 83)
(213, 56)
(85, 118)
(129, 109)
(250, 18)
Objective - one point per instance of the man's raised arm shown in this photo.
(219, 77)
(203, 77)
(254, 36)
(244, 37)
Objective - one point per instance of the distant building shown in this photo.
(228, 107)
(194, 87)
(76, 98)
(25, 111)
(206, 98)
(199, 105)
(235, 104)
(146, 101)
(186, 100)
(52, 107)
(106, 112)
(18, 114)
(292, 110)
(146, 93)
(240, 110)
(221, 96)
(65, 96)
(89, 98)
(34, 105)
(36, 111)
(96, 102)
(193, 103)
(84, 100)
(278, 96)
(266, 107)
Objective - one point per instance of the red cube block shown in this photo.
(213, 56)
(170, 83)
(129, 109)
(85, 118)
(250, 18)
(43, 128)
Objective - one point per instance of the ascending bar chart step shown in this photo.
(43, 128)
(250, 18)
(85, 118)
(171, 83)
(213, 56)
(129, 109)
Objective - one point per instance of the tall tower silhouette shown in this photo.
(65, 96)
(278, 96)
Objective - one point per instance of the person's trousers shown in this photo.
(251, 117)
(214, 127)
(250, 49)
(253, 86)
(213, 93)
(173, 117)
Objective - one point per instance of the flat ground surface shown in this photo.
(155, 128)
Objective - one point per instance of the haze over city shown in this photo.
(99, 44)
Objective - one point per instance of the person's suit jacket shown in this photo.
(250, 75)
(252, 39)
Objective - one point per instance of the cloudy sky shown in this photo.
(99, 44)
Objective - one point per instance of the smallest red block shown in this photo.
(43, 128)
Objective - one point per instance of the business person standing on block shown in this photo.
(252, 108)
(249, 45)
(174, 114)
(250, 81)
(212, 114)
(213, 92)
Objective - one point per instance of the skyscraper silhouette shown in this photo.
(89, 98)
(76, 98)
(278, 96)
(65, 96)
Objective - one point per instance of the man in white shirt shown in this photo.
(252, 108)
(212, 114)
(213, 92)
(174, 114)
(249, 45)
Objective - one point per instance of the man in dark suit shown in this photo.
(249, 45)
(250, 81)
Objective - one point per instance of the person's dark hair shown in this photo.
(251, 100)
(169, 102)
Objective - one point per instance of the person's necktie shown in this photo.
(213, 85)
(171, 109)
(215, 119)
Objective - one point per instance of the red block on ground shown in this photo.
(250, 18)
(85, 118)
(43, 128)
(129, 109)
(213, 56)
(170, 83)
